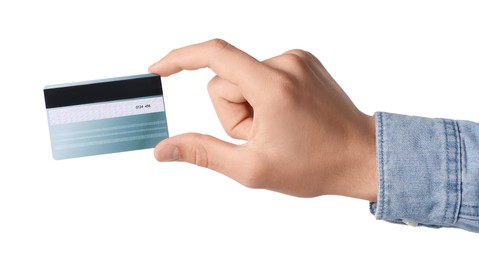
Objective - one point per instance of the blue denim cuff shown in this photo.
(419, 166)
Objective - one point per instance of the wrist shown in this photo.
(369, 189)
(357, 176)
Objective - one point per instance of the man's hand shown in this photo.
(304, 135)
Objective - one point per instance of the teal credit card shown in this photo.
(105, 116)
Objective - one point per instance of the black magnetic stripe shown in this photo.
(102, 91)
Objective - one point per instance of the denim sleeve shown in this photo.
(428, 171)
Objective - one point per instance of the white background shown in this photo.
(410, 57)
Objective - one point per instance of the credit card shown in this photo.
(105, 116)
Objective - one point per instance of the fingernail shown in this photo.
(150, 69)
(153, 67)
(168, 153)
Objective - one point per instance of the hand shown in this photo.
(304, 135)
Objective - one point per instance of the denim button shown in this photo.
(410, 222)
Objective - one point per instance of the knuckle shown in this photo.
(213, 85)
(305, 57)
(294, 61)
(199, 154)
(300, 53)
(237, 131)
(299, 61)
(218, 44)
(234, 132)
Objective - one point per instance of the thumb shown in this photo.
(202, 150)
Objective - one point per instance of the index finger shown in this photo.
(228, 62)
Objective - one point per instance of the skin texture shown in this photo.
(304, 136)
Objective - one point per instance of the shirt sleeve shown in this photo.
(428, 171)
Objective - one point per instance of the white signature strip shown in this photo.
(87, 112)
